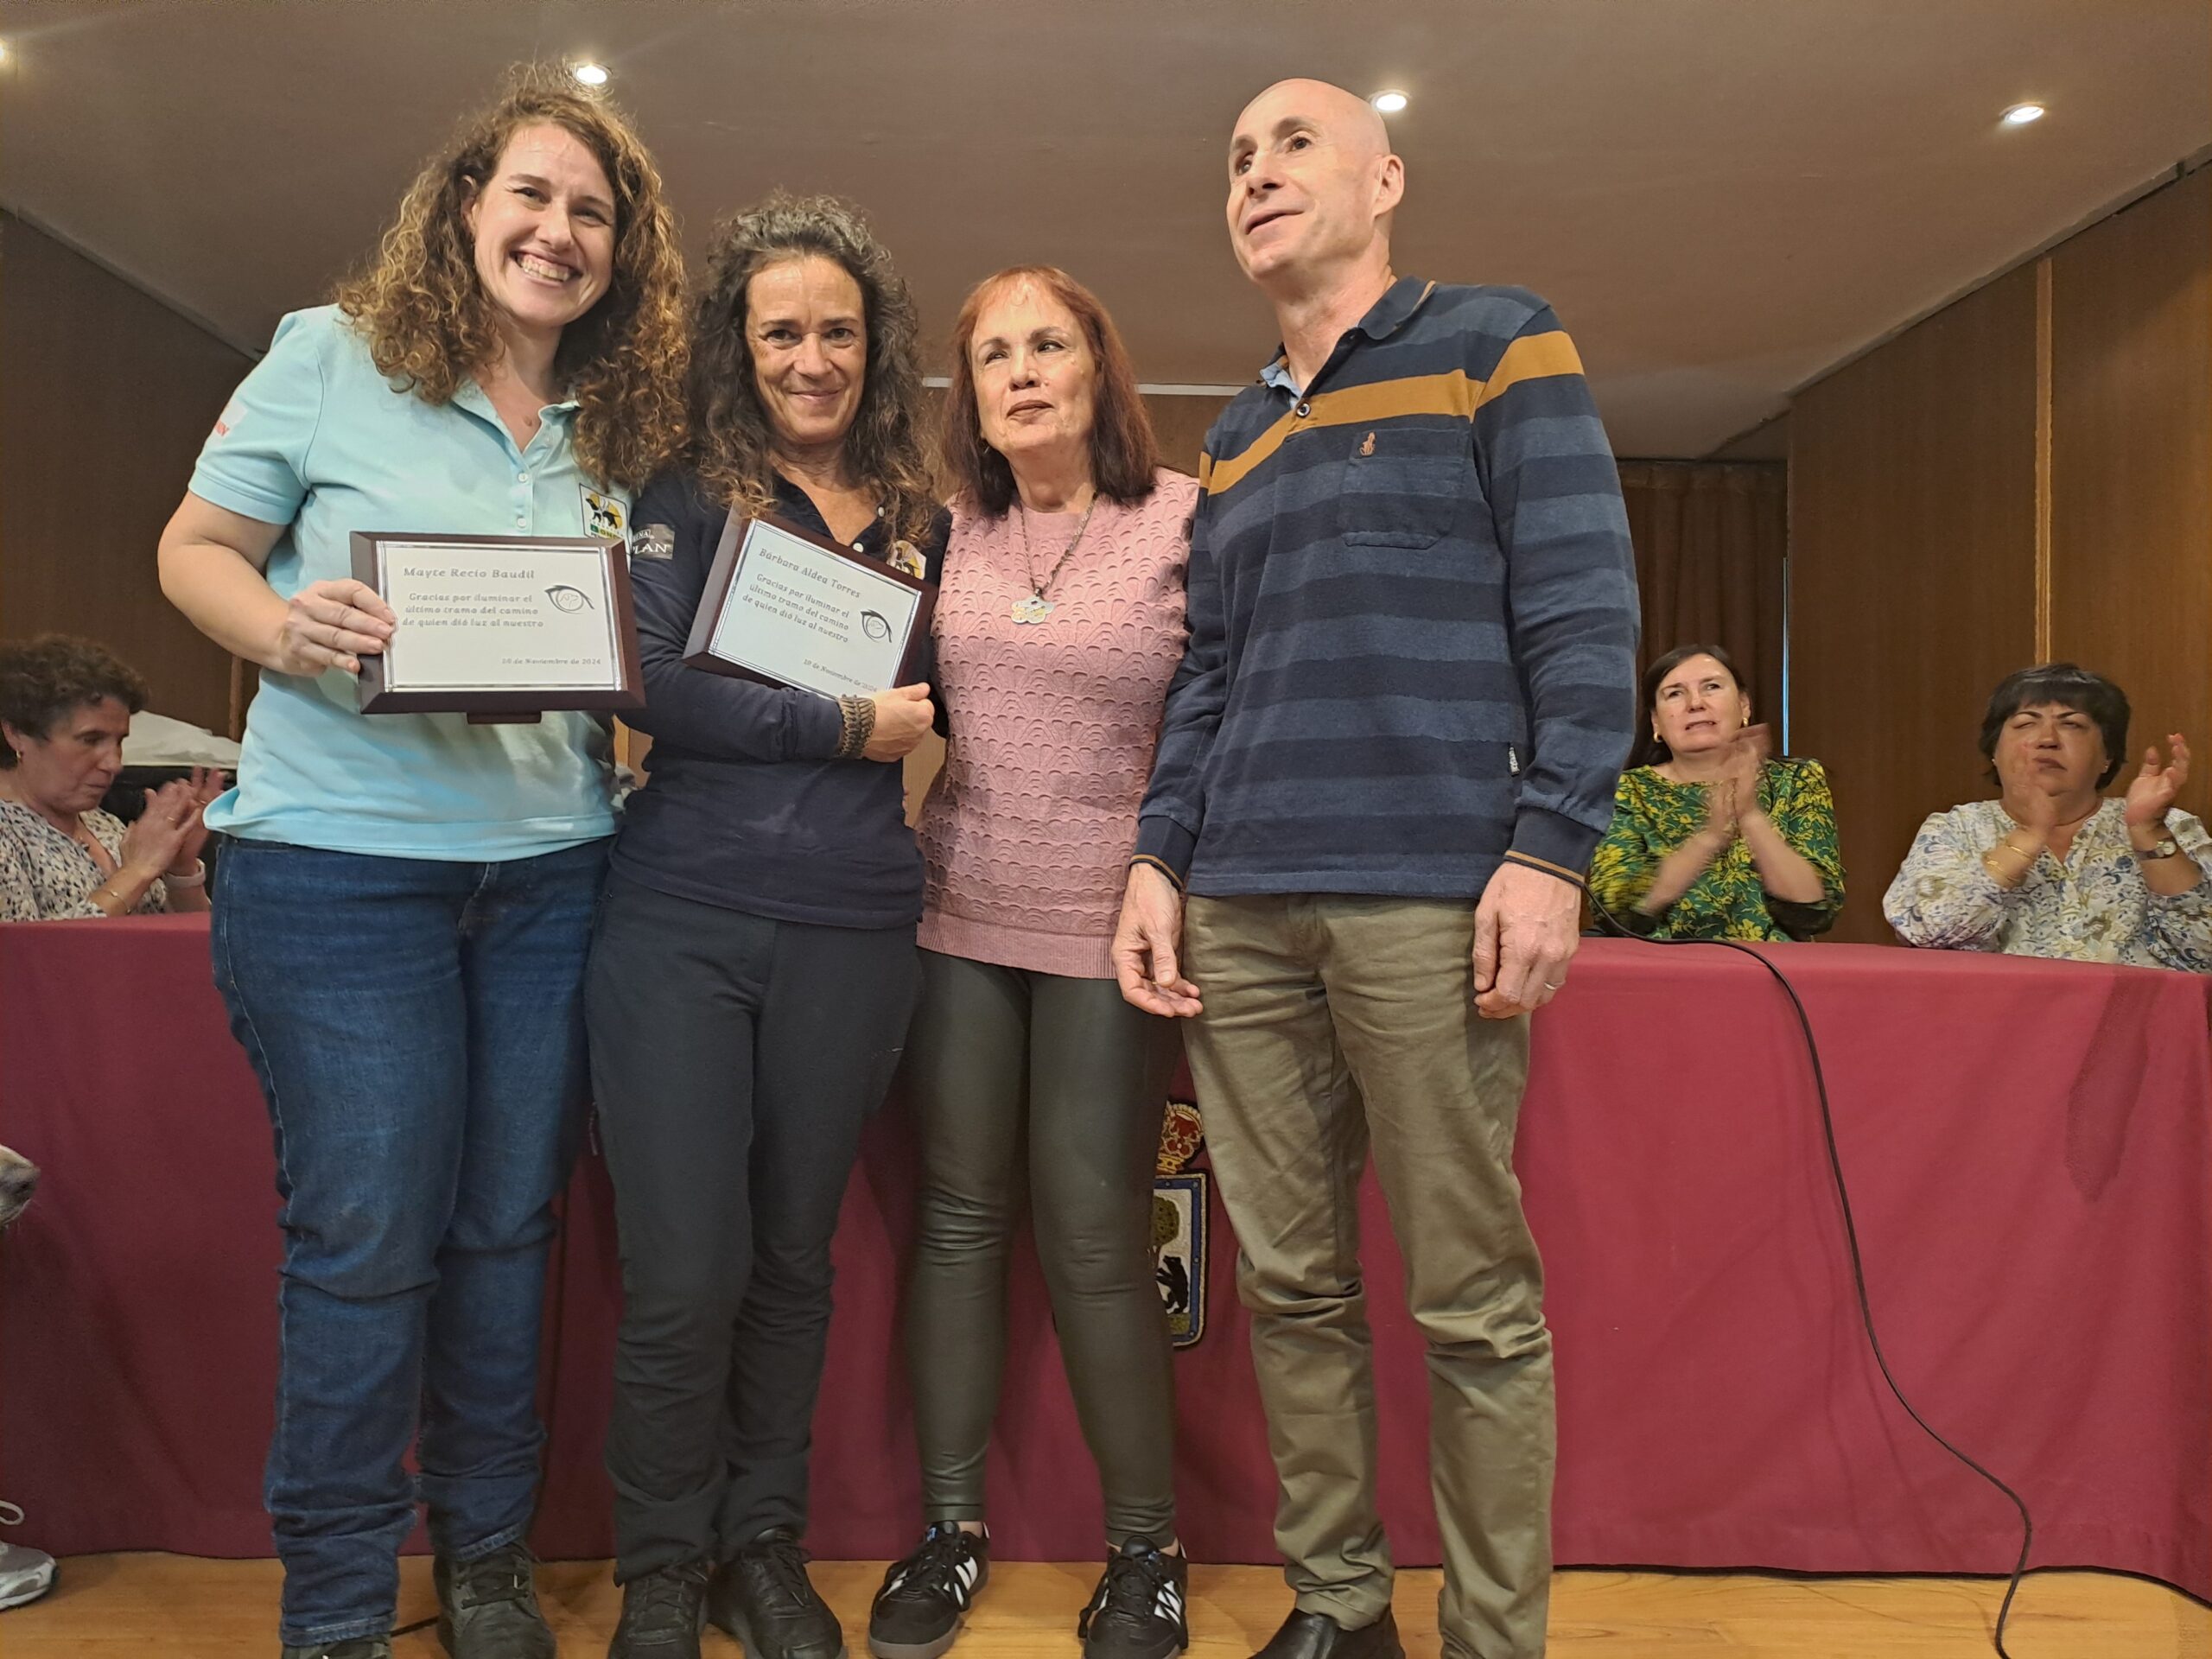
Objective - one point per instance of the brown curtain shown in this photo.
(1710, 541)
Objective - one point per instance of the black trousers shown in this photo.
(1055, 1085)
(734, 1059)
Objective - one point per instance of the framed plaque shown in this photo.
(500, 627)
(788, 608)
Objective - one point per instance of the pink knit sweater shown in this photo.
(1028, 831)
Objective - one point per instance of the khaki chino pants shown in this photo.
(1334, 1025)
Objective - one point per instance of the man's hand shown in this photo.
(1145, 946)
(1524, 937)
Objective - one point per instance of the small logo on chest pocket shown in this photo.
(1367, 445)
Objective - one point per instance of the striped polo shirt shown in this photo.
(1413, 616)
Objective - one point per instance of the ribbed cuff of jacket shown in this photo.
(1166, 843)
(1555, 845)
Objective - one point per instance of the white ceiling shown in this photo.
(1723, 198)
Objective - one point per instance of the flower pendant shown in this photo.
(1032, 607)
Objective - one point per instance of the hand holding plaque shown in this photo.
(788, 608)
(500, 627)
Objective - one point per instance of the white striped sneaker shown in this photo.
(1137, 1611)
(925, 1598)
(25, 1575)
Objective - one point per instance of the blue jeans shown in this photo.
(417, 1029)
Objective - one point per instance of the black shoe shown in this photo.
(917, 1612)
(1136, 1612)
(661, 1614)
(1316, 1636)
(361, 1647)
(487, 1608)
(761, 1596)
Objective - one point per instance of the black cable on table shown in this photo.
(1612, 924)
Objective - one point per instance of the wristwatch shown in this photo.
(2165, 847)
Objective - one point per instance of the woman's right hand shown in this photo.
(331, 625)
(155, 839)
(904, 715)
(1721, 809)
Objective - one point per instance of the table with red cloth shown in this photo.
(2029, 1163)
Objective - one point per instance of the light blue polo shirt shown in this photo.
(315, 439)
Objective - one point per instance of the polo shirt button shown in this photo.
(522, 478)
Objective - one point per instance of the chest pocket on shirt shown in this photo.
(1404, 486)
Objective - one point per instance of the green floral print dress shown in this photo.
(1652, 816)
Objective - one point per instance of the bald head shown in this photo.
(1350, 118)
(1311, 185)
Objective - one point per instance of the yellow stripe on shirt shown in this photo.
(1532, 357)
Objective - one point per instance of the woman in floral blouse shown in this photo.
(2050, 867)
(1711, 839)
(65, 708)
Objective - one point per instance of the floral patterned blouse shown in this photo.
(2093, 905)
(1653, 815)
(47, 877)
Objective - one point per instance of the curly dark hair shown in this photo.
(732, 443)
(1124, 454)
(2068, 686)
(44, 679)
(422, 307)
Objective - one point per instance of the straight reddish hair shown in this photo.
(1124, 454)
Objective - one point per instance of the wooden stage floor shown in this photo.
(179, 1607)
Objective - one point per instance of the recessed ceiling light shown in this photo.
(1388, 103)
(2020, 114)
(4, 50)
(592, 75)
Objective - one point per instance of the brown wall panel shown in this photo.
(2130, 497)
(1912, 527)
(105, 398)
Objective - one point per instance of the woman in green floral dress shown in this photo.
(1711, 839)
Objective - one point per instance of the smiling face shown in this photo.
(1311, 183)
(806, 328)
(542, 226)
(1699, 707)
(69, 769)
(2052, 747)
(1036, 377)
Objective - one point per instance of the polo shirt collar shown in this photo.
(1383, 319)
(470, 396)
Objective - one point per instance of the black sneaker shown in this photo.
(762, 1597)
(487, 1608)
(662, 1612)
(1136, 1612)
(917, 1612)
(361, 1647)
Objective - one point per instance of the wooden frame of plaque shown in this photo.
(722, 575)
(506, 703)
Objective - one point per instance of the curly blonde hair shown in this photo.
(731, 440)
(428, 325)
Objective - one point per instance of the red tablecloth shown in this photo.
(2027, 1145)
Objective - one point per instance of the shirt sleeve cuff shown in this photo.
(819, 725)
(1555, 845)
(1168, 844)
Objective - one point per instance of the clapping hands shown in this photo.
(2151, 794)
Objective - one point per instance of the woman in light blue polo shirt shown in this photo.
(402, 921)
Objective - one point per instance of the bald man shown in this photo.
(1386, 757)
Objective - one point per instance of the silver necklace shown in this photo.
(1033, 606)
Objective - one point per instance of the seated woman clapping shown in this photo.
(1711, 839)
(65, 708)
(2052, 867)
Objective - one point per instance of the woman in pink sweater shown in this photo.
(1059, 624)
